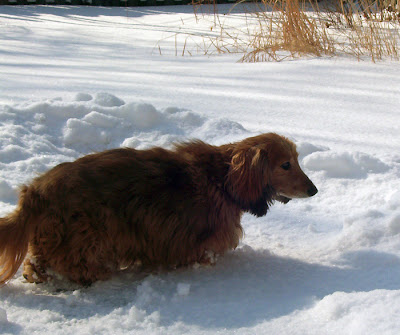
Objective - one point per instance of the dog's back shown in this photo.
(122, 206)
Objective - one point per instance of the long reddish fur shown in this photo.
(105, 211)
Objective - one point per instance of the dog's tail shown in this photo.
(15, 232)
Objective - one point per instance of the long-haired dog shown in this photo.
(110, 210)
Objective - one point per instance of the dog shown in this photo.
(122, 208)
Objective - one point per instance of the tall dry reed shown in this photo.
(281, 29)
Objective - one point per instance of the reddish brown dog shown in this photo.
(106, 211)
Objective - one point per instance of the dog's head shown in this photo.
(265, 168)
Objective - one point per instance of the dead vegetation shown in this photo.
(282, 29)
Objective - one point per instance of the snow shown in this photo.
(183, 289)
(3, 316)
(82, 79)
(352, 165)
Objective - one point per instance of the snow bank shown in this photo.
(36, 136)
(101, 122)
(305, 148)
(346, 313)
(344, 164)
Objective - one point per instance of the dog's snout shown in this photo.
(312, 190)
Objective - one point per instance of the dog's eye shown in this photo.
(286, 166)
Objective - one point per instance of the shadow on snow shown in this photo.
(245, 288)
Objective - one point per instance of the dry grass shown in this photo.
(369, 28)
(287, 29)
(281, 29)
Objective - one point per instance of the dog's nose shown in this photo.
(312, 190)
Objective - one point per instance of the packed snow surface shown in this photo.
(80, 79)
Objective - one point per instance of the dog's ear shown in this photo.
(247, 175)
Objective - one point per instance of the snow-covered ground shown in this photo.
(81, 79)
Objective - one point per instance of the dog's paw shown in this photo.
(34, 274)
(209, 258)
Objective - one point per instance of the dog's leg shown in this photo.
(87, 273)
(34, 270)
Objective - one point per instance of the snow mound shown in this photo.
(305, 148)
(138, 318)
(359, 230)
(354, 165)
(36, 136)
(358, 313)
(12, 153)
(83, 97)
(223, 129)
(368, 229)
(108, 100)
(87, 124)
